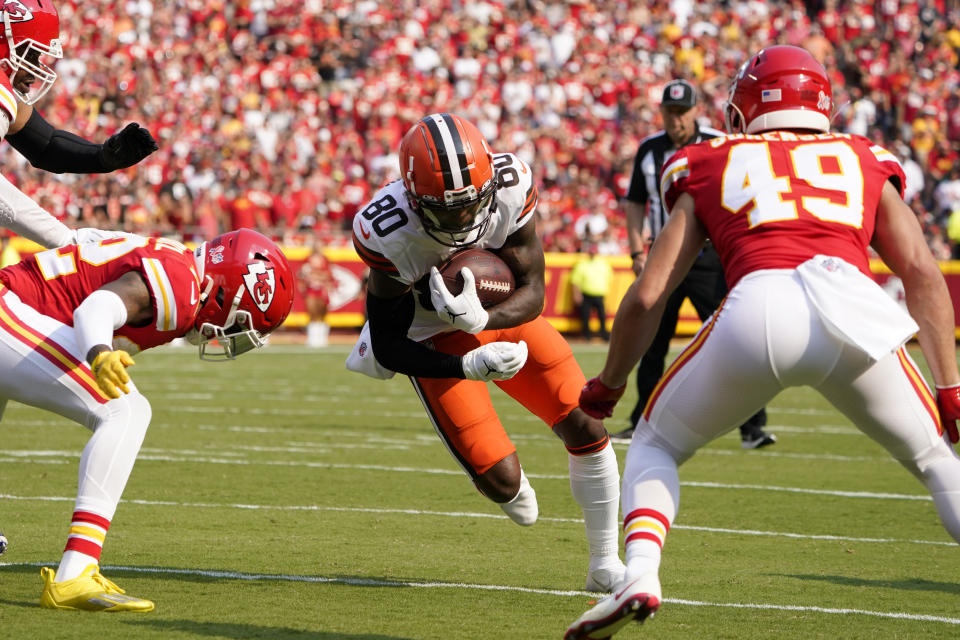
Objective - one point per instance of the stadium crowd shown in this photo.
(285, 115)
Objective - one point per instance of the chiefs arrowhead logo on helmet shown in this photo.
(261, 284)
(248, 291)
(17, 11)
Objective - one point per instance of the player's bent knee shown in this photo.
(502, 481)
(132, 410)
(523, 508)
(579, 430)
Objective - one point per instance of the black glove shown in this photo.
(127, 147)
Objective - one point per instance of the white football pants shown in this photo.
(768, 336)
(41, 366)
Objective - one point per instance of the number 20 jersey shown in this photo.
(388, 235)
(773, 201)
(55, 282)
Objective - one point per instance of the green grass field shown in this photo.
(281, 497)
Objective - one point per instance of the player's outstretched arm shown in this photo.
(638, 315)
(60, 151)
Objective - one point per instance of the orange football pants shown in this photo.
(461, 411)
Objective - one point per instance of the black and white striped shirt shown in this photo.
(653, 153)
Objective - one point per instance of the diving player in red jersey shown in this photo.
(791, 209)
(70, 318)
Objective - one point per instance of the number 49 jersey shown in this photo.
(388, 235)
(55, 282)
(773, 201)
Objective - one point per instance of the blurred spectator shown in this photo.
(316, 280)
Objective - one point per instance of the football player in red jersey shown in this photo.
(456, 193)
(70, 318)
(29, 40)
(792, 210)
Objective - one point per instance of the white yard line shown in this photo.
(374, 582)
(471, 514)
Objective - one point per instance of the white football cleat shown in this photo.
(636, 600)
(605, 573)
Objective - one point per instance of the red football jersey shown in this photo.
(55, 282)
(774, 200)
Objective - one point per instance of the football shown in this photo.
(493, 277)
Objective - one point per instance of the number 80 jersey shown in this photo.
(388, 235)
(55, 282)
(774, 200)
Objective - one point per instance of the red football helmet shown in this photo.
(447, 169)
(31, 29)
(247, 292)
(782, 87)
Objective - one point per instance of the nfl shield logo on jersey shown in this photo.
(261, 284)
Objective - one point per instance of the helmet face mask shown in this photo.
(781, 87)
(457, 224)
(247, 293)
(30, 34)
(447, 169)
(219, 343)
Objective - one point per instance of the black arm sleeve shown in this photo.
(390, 319)
(55, 150)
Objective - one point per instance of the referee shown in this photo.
(704, 284)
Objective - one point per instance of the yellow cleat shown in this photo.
(89, 591)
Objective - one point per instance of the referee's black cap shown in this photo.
(679, 93)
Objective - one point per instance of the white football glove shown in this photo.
(495, 361)
(463, 311)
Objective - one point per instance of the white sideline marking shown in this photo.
(471, 514)
(373, 582)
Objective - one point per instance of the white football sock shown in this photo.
(595, 484)
(72, 565)
(651, 495)
(523, 508)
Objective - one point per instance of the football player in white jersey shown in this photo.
(792, 210)
(456, 193)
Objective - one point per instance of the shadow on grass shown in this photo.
(26, 604)
(212, 576)
(248, 631)
(914, 584)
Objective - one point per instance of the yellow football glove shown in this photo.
(110, 370)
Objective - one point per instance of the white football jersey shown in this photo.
(389, 237)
